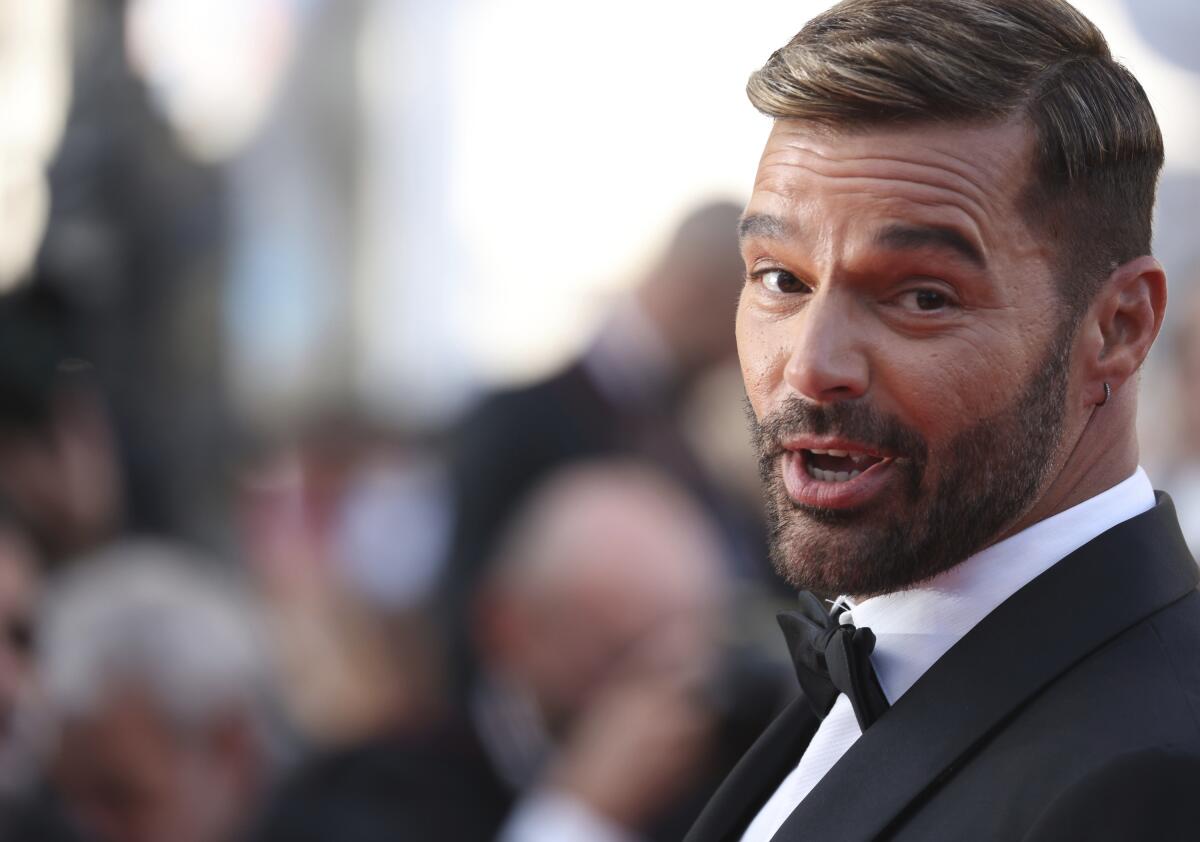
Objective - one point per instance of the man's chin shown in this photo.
(831, 559)
(878, 549)
(818, 516)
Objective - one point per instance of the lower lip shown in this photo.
(859, 491)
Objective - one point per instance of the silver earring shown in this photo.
(1107, 394)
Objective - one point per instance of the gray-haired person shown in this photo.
(154, 676)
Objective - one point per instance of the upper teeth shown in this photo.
(856, 457)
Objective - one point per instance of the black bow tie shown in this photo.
(832, 658)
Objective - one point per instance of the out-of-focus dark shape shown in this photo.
(135, 246)
(22, 732)
(1182, 479)
(155, 680)
(622, 397)
(598, 628)
(58, 463)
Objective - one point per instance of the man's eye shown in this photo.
(777, 280)
(925, 299)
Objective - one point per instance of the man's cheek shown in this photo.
(761, 373)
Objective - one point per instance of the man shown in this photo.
(948, 299)
(620, 398)
(154, 678)
(623, 397)
(597, 627)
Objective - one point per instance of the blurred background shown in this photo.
(326, 329)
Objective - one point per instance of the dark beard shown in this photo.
(991, 475)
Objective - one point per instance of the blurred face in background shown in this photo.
(64, 477)
(603, 632)
(618, 585)
(18, 596)
(128, 774)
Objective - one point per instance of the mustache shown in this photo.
(846, 419)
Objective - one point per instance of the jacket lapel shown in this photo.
(1110, 584)
(775, 753)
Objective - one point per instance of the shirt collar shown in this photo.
(913, 628)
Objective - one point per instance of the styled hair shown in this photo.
(1098, 149)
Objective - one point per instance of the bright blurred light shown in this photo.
(526, 158)
(35, 89)
(565, 142)
(213, 66)
(582, 133)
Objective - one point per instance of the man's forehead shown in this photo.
(973, 158)
(963, 183)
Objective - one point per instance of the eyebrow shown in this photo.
(905, 237)
(914, 237)
(765, 225)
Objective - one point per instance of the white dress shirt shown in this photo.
(914, 628)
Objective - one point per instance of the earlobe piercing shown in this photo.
(1107, 394)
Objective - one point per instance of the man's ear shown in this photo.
(1122, 324)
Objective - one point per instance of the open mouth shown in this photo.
(837, 475)
(837, 466)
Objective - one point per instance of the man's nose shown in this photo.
(827, 360)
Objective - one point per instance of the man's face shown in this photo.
(903, 349)
(128, 775)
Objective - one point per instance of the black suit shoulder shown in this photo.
(1067, 688)
(1150, 793)
(1127, 708)
(403, 788)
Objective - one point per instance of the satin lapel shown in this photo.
(1111, 583)
(775, 753)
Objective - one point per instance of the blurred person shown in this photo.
(949, 297)
(1182, 477)
(135, 247)
(623, 396)
(153, 675)
(344, 528)
(22, 731)
(597, 627)
(59, 466)
(593, 717)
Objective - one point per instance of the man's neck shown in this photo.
(1104, 454)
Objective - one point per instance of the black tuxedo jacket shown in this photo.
(1071, 712)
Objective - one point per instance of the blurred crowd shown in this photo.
(521, 628)
(549, 618)
(516, 625)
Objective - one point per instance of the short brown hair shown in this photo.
(1098, 148)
